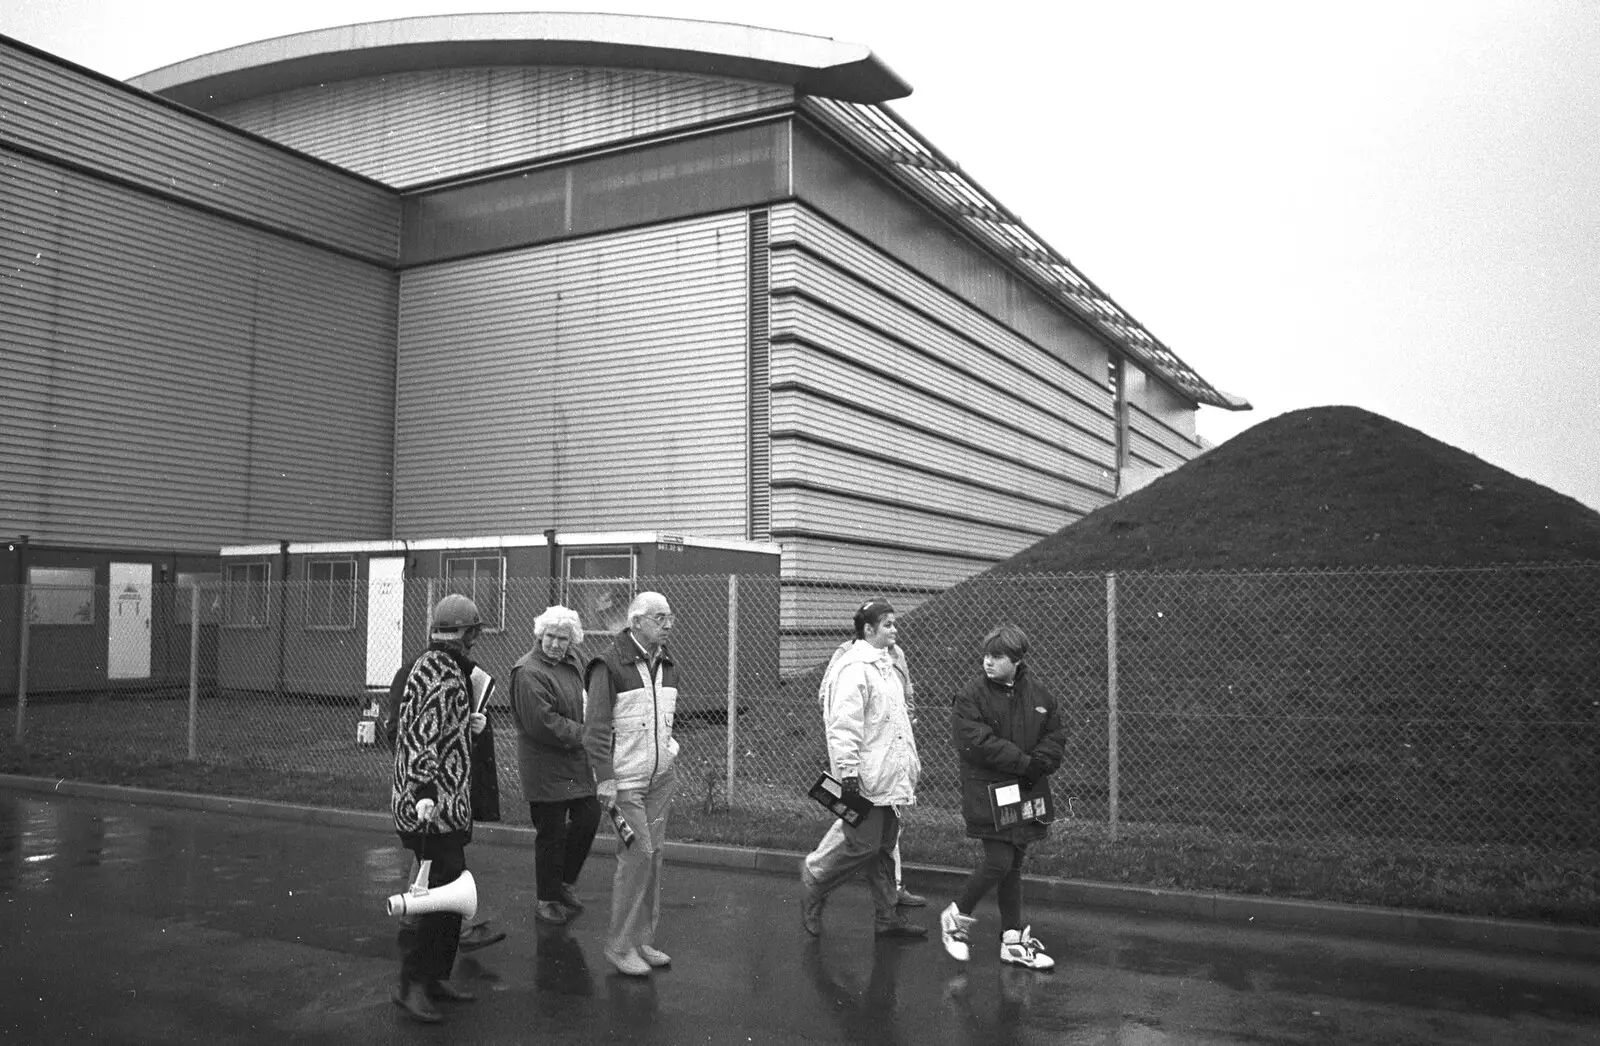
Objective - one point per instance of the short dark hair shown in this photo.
(872, 611)
(1006, 641)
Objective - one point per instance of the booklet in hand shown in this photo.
(851, 809)
(1012, 802)
(482, 687)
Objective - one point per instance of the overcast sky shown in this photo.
(1389, 204)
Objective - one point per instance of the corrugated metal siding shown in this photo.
(412, 128)
(593, 384)
(996, 442)
(1156, 432)
(796, 410)
(81, 120)
(174, 379)
(800, 365)
(760, 379)
(855, 474)
(827, 514)
(794, 224)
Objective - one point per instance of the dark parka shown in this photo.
(547, 704)
(1005, 733)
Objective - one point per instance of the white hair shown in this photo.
(558, 617)
(647, 603)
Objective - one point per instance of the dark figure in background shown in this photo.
(547, 703)
(431, 798)
(1005, 727)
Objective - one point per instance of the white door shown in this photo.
(128, 645)
(386, 604)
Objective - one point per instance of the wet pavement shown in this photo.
(132, 924)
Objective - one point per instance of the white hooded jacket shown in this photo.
(868, 725)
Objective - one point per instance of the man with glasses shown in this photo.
(627, 729)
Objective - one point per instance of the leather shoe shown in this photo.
(444, 991)
(907, 899)
(900, 928)
(480, 936)
(654, 956)
(413, 998)
(552, 912)
(569, 897)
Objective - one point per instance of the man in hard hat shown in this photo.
(432, 798)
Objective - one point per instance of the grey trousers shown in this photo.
(868, 847)
(636, 886)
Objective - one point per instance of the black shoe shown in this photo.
(898, 927)
(413, 998)
(907, 899)
(444, 991)
(480, 936)
(552, 912)
(569, 897)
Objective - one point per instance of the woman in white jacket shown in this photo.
(871, 752)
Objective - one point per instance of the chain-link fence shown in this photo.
(1457, 707)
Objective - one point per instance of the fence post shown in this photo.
(194, 666)
(1111, 700)
(22, 662)
(733, 683)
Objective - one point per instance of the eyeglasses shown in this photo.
(664, 620)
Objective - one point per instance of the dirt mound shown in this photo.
(1324, 487)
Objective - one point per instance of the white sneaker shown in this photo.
(1021, 948)
(953, 927)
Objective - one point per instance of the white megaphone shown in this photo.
(460, 896)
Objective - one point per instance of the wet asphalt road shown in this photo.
(149, 924)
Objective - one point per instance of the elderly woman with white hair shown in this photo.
(547, 701)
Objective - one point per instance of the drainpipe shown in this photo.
(283, 609)
(554, 595)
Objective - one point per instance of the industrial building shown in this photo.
(438, 278)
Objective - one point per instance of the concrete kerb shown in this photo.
(1228, 909)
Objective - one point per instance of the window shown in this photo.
(247, 596)
(331, 593)
(61, 596)
(481, 579)
(210, 598)
(599, 586)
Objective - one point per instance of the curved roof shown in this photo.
(814, 65)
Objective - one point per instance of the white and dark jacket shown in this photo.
(433, 746)
(627, 727)
(868, 725)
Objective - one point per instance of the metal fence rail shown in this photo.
(1459, 707)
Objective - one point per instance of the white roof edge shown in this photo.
(816, 64)
(574, 538)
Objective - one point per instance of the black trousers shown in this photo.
(428, 941)
(564, 833)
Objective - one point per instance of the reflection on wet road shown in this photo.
(149, 924)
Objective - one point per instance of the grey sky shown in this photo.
(1389, 204)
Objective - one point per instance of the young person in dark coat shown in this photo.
(547, 703)
(1005, 727)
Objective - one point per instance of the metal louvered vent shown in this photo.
(760, 382)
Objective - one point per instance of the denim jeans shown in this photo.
(636, 886)
(868, 847)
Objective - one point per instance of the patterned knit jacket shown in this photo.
(433, 749)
